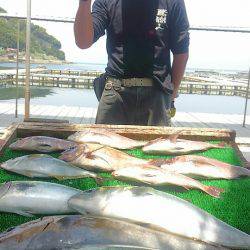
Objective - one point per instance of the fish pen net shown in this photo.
(233, 207)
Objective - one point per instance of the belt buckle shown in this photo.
(126, 83)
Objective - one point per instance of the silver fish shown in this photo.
(44, 166)
(161, 210)
(203, 167)
(33, 197)
(42, 144)
(160, 177)
(175, 146)
(105, 137)
(95, 157)
(77, 232)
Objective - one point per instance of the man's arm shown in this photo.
(178, 69)
(83, 27)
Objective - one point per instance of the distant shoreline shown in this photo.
(37, 61)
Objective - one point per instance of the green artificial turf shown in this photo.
(233, 207)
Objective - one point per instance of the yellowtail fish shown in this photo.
(105, 137)
(28, 198)
(163, 211)
(78, 232)
(44, 166)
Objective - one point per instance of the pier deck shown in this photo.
(191, 84)
(83, 115)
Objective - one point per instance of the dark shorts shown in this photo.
(148, 106)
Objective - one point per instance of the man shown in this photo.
(140, 84)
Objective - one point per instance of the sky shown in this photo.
(209, 50)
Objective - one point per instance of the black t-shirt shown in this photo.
(140, 36)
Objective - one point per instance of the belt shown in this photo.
(132, 82)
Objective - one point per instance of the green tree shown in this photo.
(2, 10)
(41, 42)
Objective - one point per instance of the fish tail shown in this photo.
(213, 191)
(243, 172)
(4, 188)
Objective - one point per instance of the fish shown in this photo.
(95, 157)
(155, 176)
(44, 166)
(43, 144)
(159, 210)
(28, 198)
(79, 232)
(105, 137)
(175, 146)
(204, 167)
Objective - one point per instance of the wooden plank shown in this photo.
(6, 108)
(93, 118)
(60, 112)
(41, 109)
(55, 112)
(243, 160)
(186, 120)
(9, 135)
(136, 132)
(70, 112)
(74, 114)
(208, 119)
(42, 120)
(88, 115)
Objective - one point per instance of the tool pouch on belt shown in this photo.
(99, 85)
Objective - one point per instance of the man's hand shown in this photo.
(172, 110)
(178, 69)
(83, 27)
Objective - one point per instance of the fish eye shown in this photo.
(71, 148)
(89, 191)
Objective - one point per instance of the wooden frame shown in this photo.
(63, 130)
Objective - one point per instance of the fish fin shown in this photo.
(24, 213)
(92, 157)
(61, 178)
(220, 145)
(150, 175)
(29, 173)
(94, 150)
(213, 191)
(153, 141)
(4, 188)
(35, 156)
(147, 225)
(159, 162)
(173, 138)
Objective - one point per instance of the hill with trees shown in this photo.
(43, 45)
